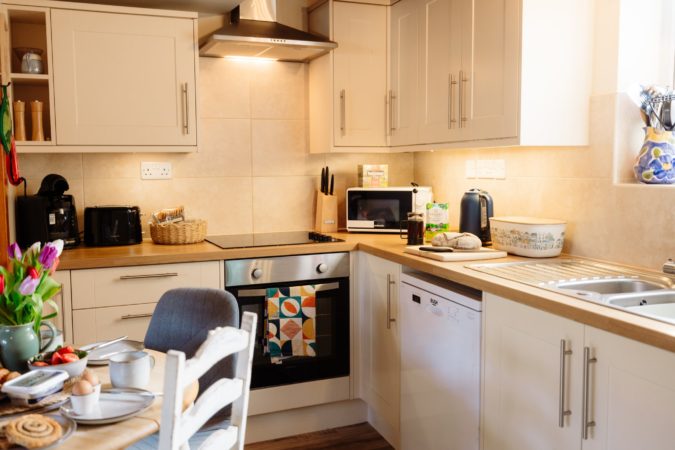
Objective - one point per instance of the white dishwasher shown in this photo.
(440, 364)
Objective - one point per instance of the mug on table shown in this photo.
(131, 369)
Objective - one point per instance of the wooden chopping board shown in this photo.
(483, 253)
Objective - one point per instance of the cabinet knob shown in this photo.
(257, 273)
(322, 268)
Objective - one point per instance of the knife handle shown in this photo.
(332, 184)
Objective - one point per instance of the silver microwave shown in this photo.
(380, 210)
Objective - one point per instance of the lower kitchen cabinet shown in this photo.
(530, 379)
(632, 394)
(119, 301)
(378, 284)
(522, 382)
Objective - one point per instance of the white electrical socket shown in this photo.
(492, 169)
(155, 170)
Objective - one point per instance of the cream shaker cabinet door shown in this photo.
(524, 394)
(380, 349)
(631, 394)
(100, 324)
(359, 74)
(123, 79)
(489, 91)
(439, 68)
(403, 73)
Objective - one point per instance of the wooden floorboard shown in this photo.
(355, 437)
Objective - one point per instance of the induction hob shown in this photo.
(270, 239)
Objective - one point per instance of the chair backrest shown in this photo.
(182, 319)
(178, 426)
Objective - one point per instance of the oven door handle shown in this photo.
(263, 292)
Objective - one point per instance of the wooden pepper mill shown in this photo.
(36, 115)
(19, 120)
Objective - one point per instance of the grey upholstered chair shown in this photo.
(181, 321)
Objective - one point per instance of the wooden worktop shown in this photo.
(649, 331)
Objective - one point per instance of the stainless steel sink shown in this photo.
(642, 299)
(613, 286)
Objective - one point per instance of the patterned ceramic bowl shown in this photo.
(528, 236)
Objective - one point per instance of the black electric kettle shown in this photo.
(474, 216)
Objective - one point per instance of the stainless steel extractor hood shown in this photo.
(253, 31)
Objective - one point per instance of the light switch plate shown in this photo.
(155, 170)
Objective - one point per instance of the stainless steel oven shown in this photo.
(326, 277)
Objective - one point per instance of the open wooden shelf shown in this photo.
(30, 79)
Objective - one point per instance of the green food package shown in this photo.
(438, 217)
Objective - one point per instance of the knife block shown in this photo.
(326, 213)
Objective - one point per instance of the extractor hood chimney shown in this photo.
(253, 31)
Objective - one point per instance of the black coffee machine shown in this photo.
(47, 216)
(474, 215)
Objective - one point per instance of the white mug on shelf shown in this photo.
(131, 369)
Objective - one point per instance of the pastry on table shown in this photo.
(33, 431)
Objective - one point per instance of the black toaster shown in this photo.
(112, 225)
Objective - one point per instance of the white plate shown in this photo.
(101, 357)
(114, 405)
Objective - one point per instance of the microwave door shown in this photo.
(378, 210)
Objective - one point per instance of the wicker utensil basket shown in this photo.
(185, 232)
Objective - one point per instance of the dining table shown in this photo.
(122, 434)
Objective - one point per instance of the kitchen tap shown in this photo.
(669, 267)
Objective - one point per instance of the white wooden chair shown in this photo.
(177, 426)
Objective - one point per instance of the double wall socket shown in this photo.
(486, 168)
(156, 170)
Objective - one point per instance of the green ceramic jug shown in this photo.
(20, 343)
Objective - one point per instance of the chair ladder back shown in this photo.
(243, 372)
(178, 426)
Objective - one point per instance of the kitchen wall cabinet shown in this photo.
(112, 302)
(347, 87)
(378, 284)
(116, 79)
(528, 382)
(123, 79)
(479, 73)
(402, 98)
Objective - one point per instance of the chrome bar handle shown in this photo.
(136, 316)
(389, 318)
(451, 104)
(390, 112)
(462, 94)
(562, 412)
(585, 422)
(343, 111)
(149, 275)
(186, 110)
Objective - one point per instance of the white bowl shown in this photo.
(74, 368)
(528, 236)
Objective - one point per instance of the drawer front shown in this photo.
(96, 288)
(93, 325)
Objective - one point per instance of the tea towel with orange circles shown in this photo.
(291, 322)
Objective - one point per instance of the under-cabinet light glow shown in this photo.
(251, 59)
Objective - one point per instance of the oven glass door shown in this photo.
(379, 209)
(331, 329)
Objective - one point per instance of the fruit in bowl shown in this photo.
(65, 358)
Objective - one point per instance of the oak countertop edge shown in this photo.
(648, 331)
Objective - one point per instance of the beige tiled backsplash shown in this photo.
(627, 223)
(253, 171)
